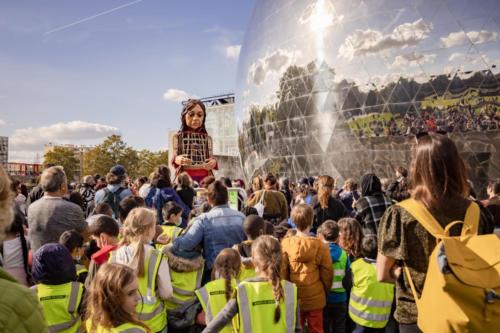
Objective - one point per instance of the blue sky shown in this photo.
(70, 77)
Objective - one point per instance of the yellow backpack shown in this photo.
(462, 287)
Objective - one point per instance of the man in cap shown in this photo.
(116, 190)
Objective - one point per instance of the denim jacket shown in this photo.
(220, 228)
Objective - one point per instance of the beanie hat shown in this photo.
(53, 264)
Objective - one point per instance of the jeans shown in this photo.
(334, 317)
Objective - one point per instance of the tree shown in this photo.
(66, 157)
(112, 151)
(149, 160)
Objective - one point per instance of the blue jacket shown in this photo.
(165, 195)
(335, 252)
(220, 228)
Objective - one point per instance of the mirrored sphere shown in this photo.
(342, 87)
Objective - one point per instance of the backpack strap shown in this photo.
(423, 216)
(471, 220)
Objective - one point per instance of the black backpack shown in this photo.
(113, 199)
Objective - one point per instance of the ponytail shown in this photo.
(227, 266)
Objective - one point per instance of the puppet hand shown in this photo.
(183, 160)
(211, 163)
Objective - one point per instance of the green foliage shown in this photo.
(115, 151)
(67, 158)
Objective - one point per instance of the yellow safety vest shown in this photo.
(370, 302)
(212, 298)
(123, 328)
(150, 309)
(172, 232)
(256, 306)
(81, 269)
(339, 273)
(60, 306)
(246, 273)
(184, 285)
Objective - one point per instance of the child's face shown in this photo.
(131, 296)
(77, 253)
(176, 218)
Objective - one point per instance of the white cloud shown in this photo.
(369, 41)
(2, 122)
(412, 59)
(270, 63)
(233, 51)
(177, 95)
(461, 38)
(77, 132)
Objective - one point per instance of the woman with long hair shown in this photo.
(325, 206)
(439, 184)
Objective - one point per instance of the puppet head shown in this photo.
(193, 116)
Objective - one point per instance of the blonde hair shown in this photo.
(138, 223)
(6, 197)
(105, 298)
(267, 257)
(227, 266)
(302, 215)
(257, 183)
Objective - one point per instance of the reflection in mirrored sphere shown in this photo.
(343, 86)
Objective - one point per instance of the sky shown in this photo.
(78, 71)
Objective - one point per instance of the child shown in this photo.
(151, 268)
(307, 263)
(334, 314)
(56, 288)
(265, 303)
(186, 272)
(370, 302)
(112, 300)
(73, 241)
(172, 213)
(350, 237)
(104, 231)
(216, 293)
(15, 249)
(253, 227)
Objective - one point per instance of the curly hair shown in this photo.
(350, 236)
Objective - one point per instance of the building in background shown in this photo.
(27, 173)
(78, 151)
(4, 151)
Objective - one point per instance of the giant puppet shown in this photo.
(192, 146)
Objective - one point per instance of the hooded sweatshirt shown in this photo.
(307, 263)
(333, 297)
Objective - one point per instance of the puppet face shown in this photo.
(194, 117)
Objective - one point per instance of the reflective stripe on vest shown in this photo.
(172, 232)
(123, 328)
(370, 301)
(212, 298)
(339, 267)
(150, 309)
(51, 296)
(262, 290)
(182, 296)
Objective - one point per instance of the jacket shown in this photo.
(220, 228)
(164, 195)
(334, 211)
(275, 204)
(20, 311)
(307, 263)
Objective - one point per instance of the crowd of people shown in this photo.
(155, 255)
(457, 118)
